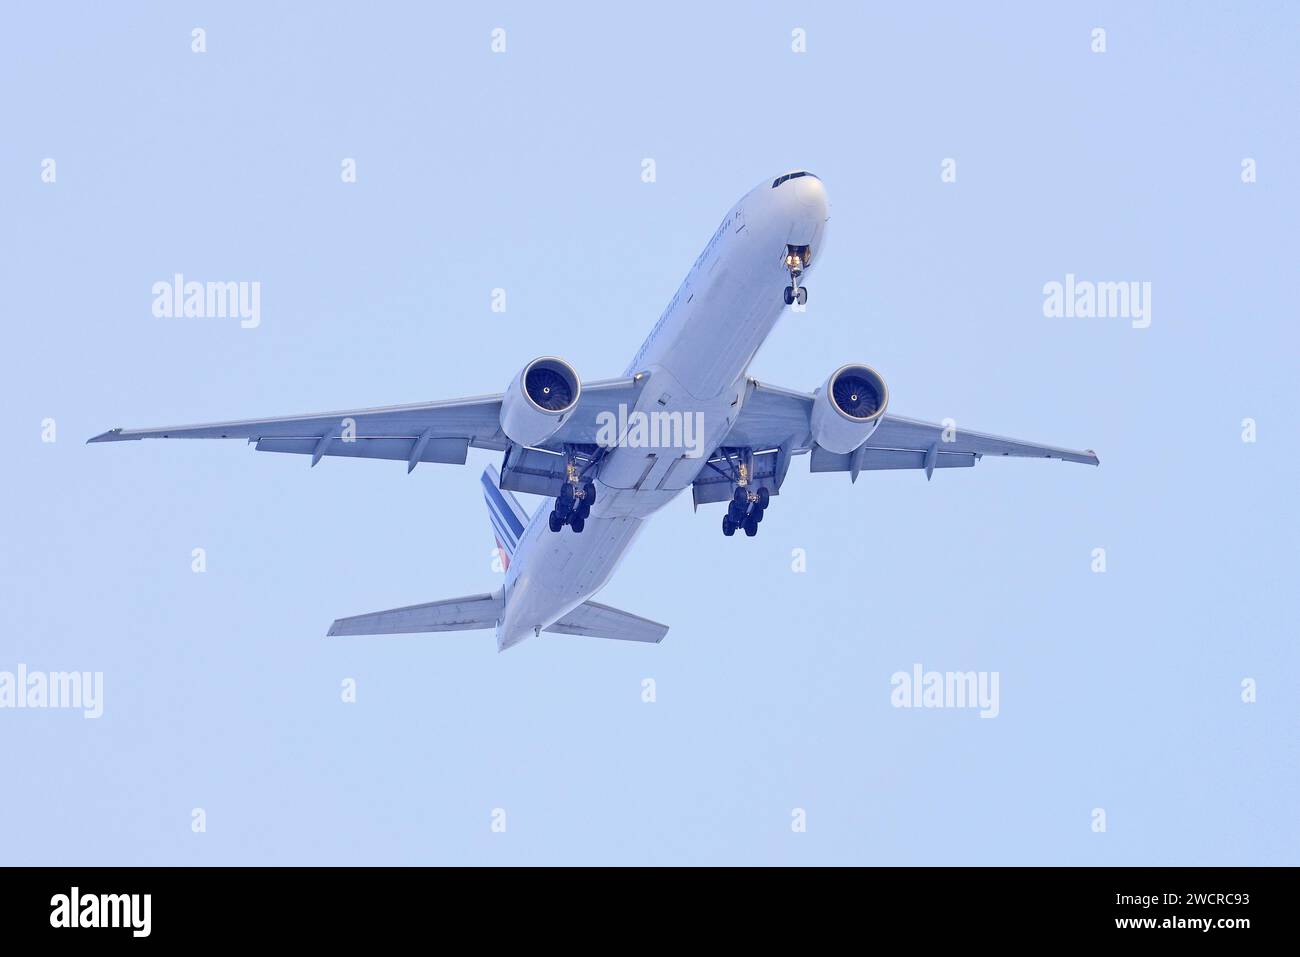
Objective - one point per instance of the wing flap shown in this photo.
(447, 451)
(875, 459)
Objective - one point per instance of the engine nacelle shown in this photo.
(848, 408)
(539, 400)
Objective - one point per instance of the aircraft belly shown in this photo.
(662, 443)
(574, 567)
(753, 318)
(637, 481)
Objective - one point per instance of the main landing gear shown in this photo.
(745, 511)
(747, 505)
(573, 504)
(797, 259)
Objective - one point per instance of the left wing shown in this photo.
(773, 418)
(425, 432)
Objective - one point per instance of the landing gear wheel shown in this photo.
(789, 295)
(582, 511)
(728, 526)
(756, 514)
(740, 496)
(801, 296)
(764, 496)
(736, 512)
(751, 527)
(565, 498)
(554, 521)
(589, 494)
(577, 523)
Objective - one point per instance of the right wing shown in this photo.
(900, 443)
(896, 432)
(774, 418)
(426, 432)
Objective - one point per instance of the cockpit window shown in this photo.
(781, 179)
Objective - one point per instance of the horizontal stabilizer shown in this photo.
(453, 614)
(600, 621)
(482, 611)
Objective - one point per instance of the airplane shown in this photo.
(607, 455)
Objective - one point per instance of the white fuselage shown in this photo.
(696, 359)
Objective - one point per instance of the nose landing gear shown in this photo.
(797, 259)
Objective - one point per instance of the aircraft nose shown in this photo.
(811, 194)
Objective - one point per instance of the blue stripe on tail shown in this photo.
(504, 511)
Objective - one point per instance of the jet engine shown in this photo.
(539, 400)
(848, 408)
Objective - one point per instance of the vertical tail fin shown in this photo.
(506, 514)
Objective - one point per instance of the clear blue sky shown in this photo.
(522, 171)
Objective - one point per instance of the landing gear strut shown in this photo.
(797, 259)
(577, 495)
